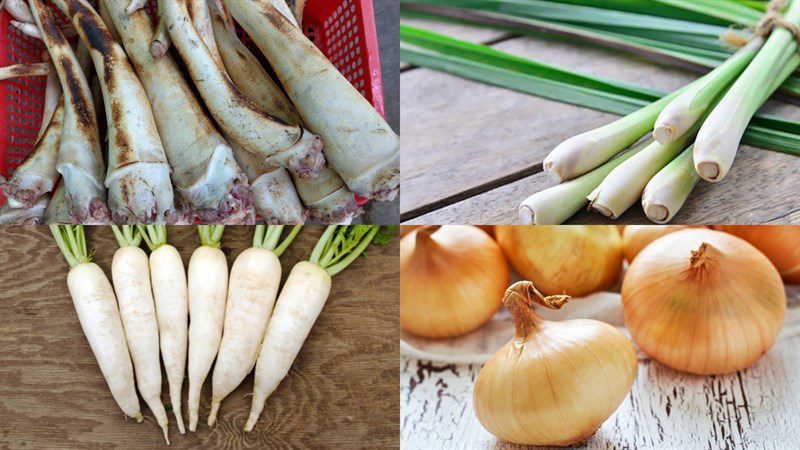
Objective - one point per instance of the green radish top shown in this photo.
(154, 236)
(128, 236)
(268, 236)
(211, 235)
(71, 241)
(340, 245)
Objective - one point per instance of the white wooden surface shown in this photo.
(757, 408)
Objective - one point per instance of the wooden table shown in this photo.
(756, 408)
(472, 152)
(340, 393)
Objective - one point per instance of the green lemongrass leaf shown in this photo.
(668, 190)
(760, 132)
(698, 53)
(571, 13)
(637, 43)
(554, 205)
(728, 11)
(758, 5)
(529, 84)
(649, 7)
(719, 138)
(499, 59)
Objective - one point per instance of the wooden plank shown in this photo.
(753, 408)
(791, 218)
(340, 393)
(462, 138)
(761, 187)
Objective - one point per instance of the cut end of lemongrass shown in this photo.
(526, 215)
(709, 171)
(603, 210)
(664, 134)
(655, 212)
(551, 174)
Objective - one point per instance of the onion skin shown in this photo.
(780, 243)
(554, 383)
(703, 302)
(452, 278)
(576, 260)
(406, 229)
(636, 237)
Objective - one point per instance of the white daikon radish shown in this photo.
(94, 301)
(171, 296)
(130, 271)
(254, 280)
(300, 303)
(208, 289)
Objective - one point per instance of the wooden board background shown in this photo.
(341, 391)
(473, 152)
(756, 408)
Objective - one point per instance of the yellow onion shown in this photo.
(780, 243)
(554, 383)
(637, 237)
(405, 229)
(489, 229)
(703, 301)
(452, 278)
(574, 260)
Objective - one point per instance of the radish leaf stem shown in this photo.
(72, 243)
(268, 237)
(211, 235)
(340, 245)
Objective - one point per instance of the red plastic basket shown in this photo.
(344, 30)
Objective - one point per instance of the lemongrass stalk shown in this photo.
(554, 205)
(624, 185)
(680, 114)
(586, 151)
(668, 190)
(719, 137)
(666, 193)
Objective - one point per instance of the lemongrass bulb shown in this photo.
(636, 237)
(554, 383)
(780, 243)
(452, 280)
(574, 260)
(703, 301)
